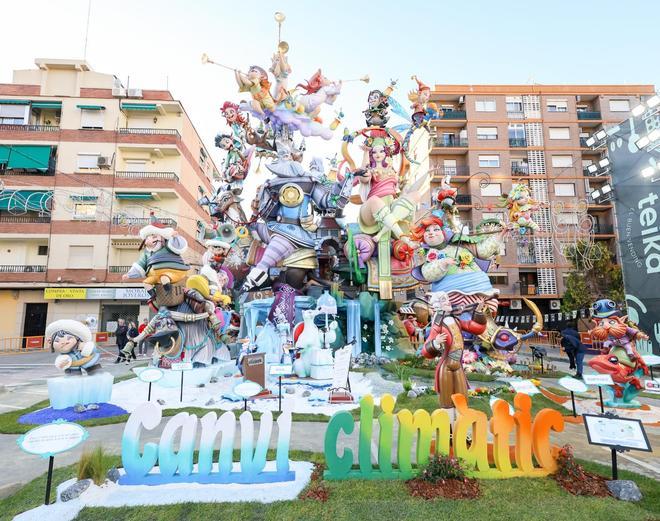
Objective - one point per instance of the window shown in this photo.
(567, 218)
(491, 190)
(514, 104)
(619, 105)
(92, 119)
(557, 105)
(88, 161)
(559, 133)
(562, 161)
(14, 114)
(486, 132)
(516, 131)
(564, 189)
(485, 105)
(84, 211)
(489, 161)
(134, 165)
(499, 279)
(42, 250)
(450, 167)
(81, 257)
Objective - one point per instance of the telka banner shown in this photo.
(637, 206)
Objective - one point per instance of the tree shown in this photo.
(593, 275)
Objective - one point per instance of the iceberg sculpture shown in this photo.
(66, 391)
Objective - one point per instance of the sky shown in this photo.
(158, 44)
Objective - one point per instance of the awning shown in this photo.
(46, 104)
(91, 107)
(14, 102)
(134, 195)
(26, 201)
(139, 106)
(27, 157)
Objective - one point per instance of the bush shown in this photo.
(94, 465)
(440, 468)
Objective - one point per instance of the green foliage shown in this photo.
(94, 464)
(442, 467)
(593, 275)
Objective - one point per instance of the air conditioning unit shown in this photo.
(134, 93)
(516, 304)
(555, 305)
(103, 162)
(118, 91)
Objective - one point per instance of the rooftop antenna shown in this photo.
(89, 12)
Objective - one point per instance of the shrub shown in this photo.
(94, 465)
(440, 468)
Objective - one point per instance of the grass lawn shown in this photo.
(524, 499)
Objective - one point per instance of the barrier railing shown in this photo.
(30, 344)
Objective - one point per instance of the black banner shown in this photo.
(637, 206)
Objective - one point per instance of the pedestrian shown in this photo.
(570, 341)
(131, 334)
(122, 338)
(142, 346)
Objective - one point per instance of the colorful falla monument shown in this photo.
(435, 433)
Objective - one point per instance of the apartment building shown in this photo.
(490, 137)
(83, 163)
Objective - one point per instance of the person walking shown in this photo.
(131, 334)
(122, 338)
(142, 346)
(570, 341)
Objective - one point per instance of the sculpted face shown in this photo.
(230, 114)
(373, 99)
(225, 143)
(379, 154)
(433, 235)
(612, 326)
(424, 96)
(153, 242)
(64, 342)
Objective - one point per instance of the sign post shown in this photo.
(619, 434)
(150, 375)
(181, 366)
(280, 370)
(50, 439)
(599, 380)
(574, 386)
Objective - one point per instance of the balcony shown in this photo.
(450, 141)
(121, 220)
(517, 142)
(526, 257)
(151, 131)
(519, 169)
(588, 114)
(165, 176)
(118, 269)
(24, 219)
(463, 199)
(515, 114)
(603, 229)
(13, 171)
(8, 268)
(441, 171)
(29, 128)
(529, 289)
(452, 114)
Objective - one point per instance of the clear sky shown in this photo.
(159, 43)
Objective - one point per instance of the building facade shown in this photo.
(490, 137)
(84, 162)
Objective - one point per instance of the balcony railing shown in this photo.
(151, 131)
(464, 199)
(519, 169)
(8, 268)
(120, 220)
(118, 269)
(517, 142)
(452, 114)
(24, 218)
(603, 229)
(526, 257)
(29, 128)
(515, 114)
(529, 289)
(588, 114)
(166, 176)
(450, 142)
(441, 171)
(11, 171)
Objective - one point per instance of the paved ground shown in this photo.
(23, 381)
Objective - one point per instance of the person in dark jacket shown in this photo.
(121, 334)
(131, 334)
(570, 341)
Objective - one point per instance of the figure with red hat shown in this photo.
(421, 107)
(160, 259)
